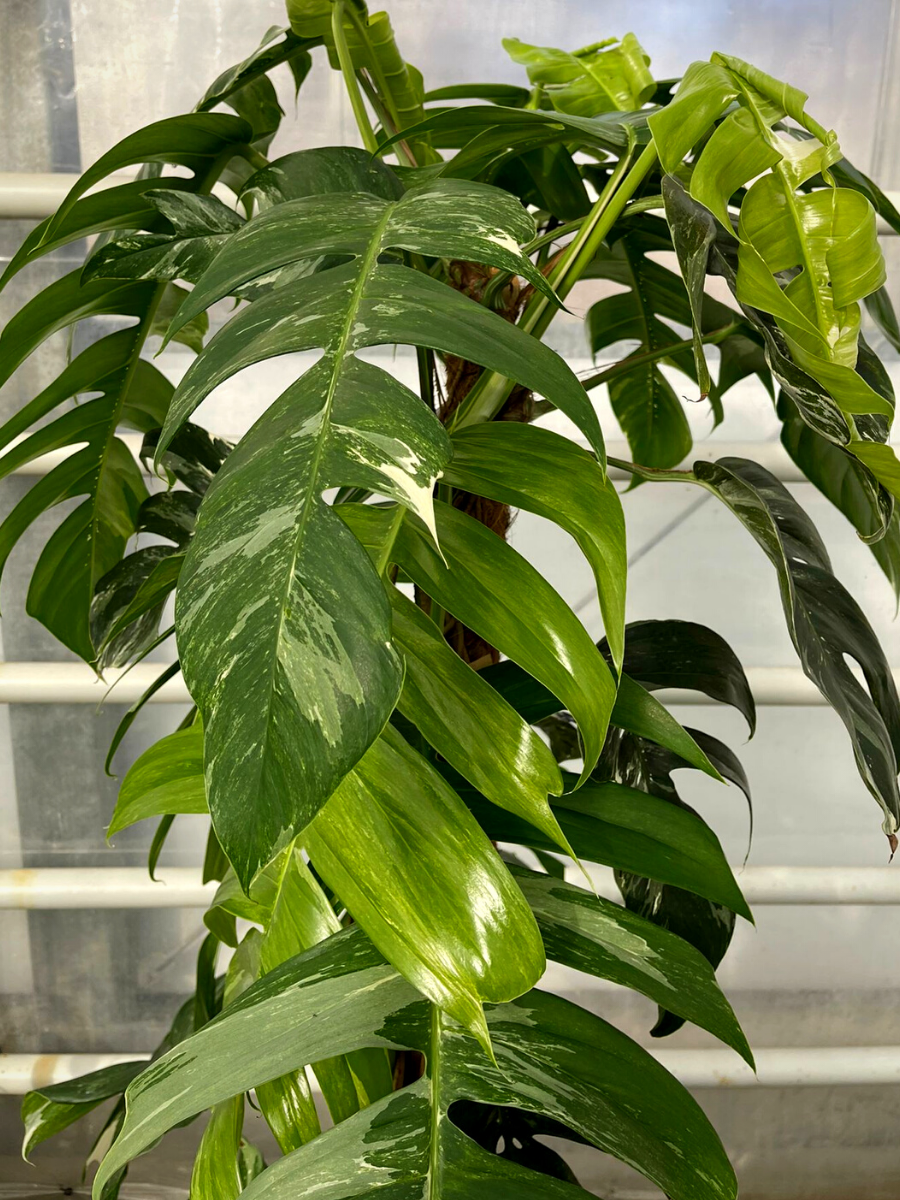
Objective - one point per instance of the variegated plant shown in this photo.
(384, 688)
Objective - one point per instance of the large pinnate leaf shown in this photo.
(284, 627)
(601, 78)
(551, 1058)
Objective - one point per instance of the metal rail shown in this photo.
(777, 1067)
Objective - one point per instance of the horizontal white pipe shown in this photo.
(29, 196)
(777, 1067)
(180, 887)
(21, 1073)
(103, 887)
(76, 683)
(785, 1067)
(33, 196)
(36, 196)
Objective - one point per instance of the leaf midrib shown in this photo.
(365, 264)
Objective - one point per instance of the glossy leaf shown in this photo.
(420, 877)
(470, 725)
(486, 585)
(847, 483)
(609, 1091)
(319, 171)
(198, 141)
(167, 778)
(543, 473)
(48, 1110)
(583, 931)
(628, 830)
(685, 655)
(825, 239)
(825, 623)
(608, 76)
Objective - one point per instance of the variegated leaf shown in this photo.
(552, 1058)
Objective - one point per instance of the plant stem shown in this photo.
(636, 360)
(347, 70)
(491, 391)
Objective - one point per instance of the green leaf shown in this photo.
(470, 725)
(302, 720)
(491, 133)
(583, 931)
(825, 623)
(198, 141)
(123, 207)
(191, 333)
(847, 483)
(488, 586)
(268, 55)
(699, 923)
(643, 400)
(46, 1111)
(552, 1058)
(318, 171)
(688, 656)
(201, 226)
(639, 712)
(215, 1173)
(608, 76)
(409, 861)
(628, 830)
(167, 778)
(825, 240)
(692, 240)
(543, 473)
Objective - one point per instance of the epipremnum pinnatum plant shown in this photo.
(383, 688)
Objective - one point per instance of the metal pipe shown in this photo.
(777, 1067)
(76, 683)
(180, 887)
(32, 196)
(103, 887)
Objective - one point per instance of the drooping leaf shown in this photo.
(543, 473)
(48, 1110)
(198, 141)
(552, 1058)
(825, 623)
(470, 725)
(167, 778)
(847, 483)
(483, 582)
(409, 861)
(628, 830)
(593, 935)
(689, 656)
